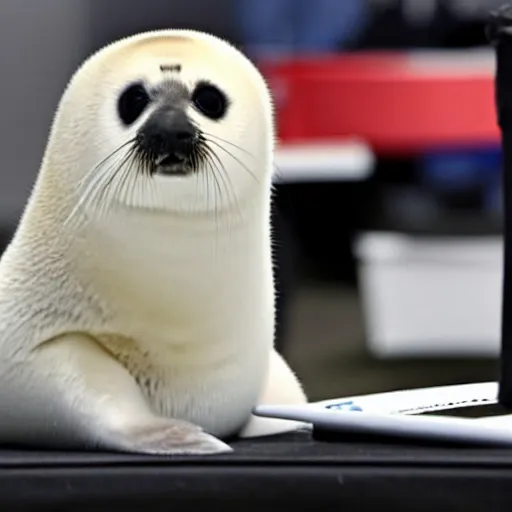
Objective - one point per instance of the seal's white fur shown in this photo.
(129, 317)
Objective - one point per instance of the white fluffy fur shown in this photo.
(125, 312)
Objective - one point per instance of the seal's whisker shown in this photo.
(205, 178)
(85, 197)
(217, 192)
(90, 195)
(251, 173)
(156, 191)
(99, 188)
(94, 180)
(112, 187)
(116, 189)
(143, 185)
(92, 173)
(217, 196)
(205, 185)
(147, 184)
(230, 143)
(107, 184)
(126, 176)
(210, 171)
(226, 179)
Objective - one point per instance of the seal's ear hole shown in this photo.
(210, 101)
(132, 102)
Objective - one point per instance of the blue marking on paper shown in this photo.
(345, 406)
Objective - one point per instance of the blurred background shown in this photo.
(388, 205)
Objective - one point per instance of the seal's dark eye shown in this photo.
(132, 103)
(209, 100)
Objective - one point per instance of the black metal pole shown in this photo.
(500, 34)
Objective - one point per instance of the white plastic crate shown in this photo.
(425, 296)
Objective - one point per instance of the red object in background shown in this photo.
(398, 103)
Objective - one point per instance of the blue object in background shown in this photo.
(456, 170)
(278, 27)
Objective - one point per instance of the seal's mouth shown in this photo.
(170, 159)
(171, 164)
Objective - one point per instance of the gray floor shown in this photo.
(325, 346)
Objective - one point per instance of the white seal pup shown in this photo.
(136, 297)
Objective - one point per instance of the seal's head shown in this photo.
(176, 121)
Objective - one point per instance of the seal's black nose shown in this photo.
(168, 133)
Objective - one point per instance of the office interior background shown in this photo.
(387, 207)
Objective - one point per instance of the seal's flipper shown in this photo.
(281, 387)
(72, 393)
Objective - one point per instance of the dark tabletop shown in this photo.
(297, 449)
(275, 473)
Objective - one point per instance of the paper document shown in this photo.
(422, 414)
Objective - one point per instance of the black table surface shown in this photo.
(275, 473)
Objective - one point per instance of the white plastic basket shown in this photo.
(425, 296)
